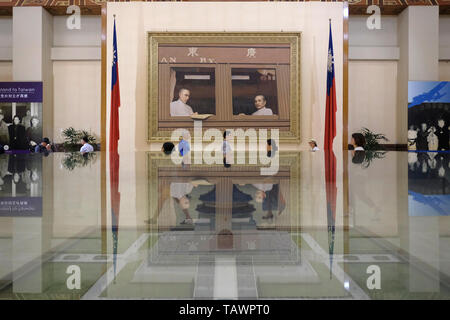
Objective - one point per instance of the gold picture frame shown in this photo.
(156, 38)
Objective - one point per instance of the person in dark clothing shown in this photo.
(358, 141)
(442, 135)
(271, 148)
(167, 147)
(422, 135)
(4, 135)
(17, 136)
(358, 157)
(34, 133)
(45, 146)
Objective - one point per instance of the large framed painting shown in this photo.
(229, 80)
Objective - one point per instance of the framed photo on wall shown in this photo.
(230, 80)
(21, 114)
(428, 115)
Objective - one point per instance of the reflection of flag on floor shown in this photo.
(115, 201)
(331, 191)
(113, 154)
(330, 159)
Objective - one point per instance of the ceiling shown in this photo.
(93, 7)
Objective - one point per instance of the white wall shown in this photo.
(76, 96)
(88, 35)
(77, 44)
(360, 35)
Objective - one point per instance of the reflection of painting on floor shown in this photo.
(428, 183)
(189, 205)
(21, 185)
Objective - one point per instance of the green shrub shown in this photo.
(72, 138)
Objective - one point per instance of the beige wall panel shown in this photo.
(76, 96)
(373, 97)
(444, 70)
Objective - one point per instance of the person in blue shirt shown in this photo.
(183, 147)
(45, 146)
(86, 146)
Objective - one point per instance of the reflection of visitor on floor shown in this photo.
(271, 197)
(358, 156)
(179, 191)
(165, 215)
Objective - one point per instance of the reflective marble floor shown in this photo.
(369, 226)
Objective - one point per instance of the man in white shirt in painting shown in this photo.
(260, 104)
(180, 107)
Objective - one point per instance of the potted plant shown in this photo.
(373, 149)
(373, 139)
(72, 138)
